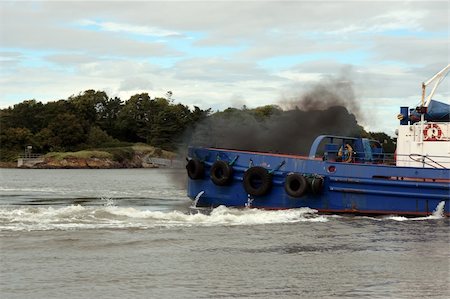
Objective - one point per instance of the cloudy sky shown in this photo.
(223, 54)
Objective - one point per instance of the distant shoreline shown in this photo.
(8, 164)
(136, 156)
(94, 163)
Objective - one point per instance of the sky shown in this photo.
(219, 54)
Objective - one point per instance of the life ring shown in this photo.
(257, 181)
(345, 153)
(221, 173)
(316, 184)
(195, 169)
(432, 132)
(295, 185)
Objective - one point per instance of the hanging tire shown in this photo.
(316, 185)
(257, 181)
(221, 173)
(195, 169)
(295, 185)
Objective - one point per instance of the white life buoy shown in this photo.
(432, 132)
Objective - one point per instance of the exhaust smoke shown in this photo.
(289, 127)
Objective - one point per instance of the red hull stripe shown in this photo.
(366, 212)
(412, 213)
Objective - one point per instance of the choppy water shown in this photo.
(131, 234)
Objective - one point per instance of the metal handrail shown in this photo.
(435, 161)
(30, 156)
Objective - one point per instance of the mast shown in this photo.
(439, 77)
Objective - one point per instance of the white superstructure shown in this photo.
(424, 144)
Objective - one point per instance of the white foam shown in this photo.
(30, 189)
(197, 197)
(108, 202)
(437, 214)
(110, 216)
(439, 211)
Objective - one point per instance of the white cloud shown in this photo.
(135, 83)
(50, 50)
(131, 29)
(392, 20)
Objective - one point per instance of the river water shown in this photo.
(131, 233)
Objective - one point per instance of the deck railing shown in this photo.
(30, 156)
(433, 161)
(29, 160)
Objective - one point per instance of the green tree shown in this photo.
(16, 138)
(27, 114)
(386, 141)
(67, 132)
(134, 117)
(53, 109)
(42, 140)
(108, 116)
(90, 105)
(198, 115)
(167, 124)
(264, 112)
(13, 141)
(97, 138)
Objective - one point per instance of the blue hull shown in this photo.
(346, 187)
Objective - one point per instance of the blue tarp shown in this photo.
(437, 111)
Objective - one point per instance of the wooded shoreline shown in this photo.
(92, 130)
(136, 156)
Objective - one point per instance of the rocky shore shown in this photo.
(138, 156)
(96, 163)
(8, 164)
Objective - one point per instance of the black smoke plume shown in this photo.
(290, 127)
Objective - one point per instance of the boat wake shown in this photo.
(437, 214)
(109, 216)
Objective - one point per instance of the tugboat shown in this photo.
(340, 174)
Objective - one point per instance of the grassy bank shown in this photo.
(132, 156)
(85, 154)
(114, 153)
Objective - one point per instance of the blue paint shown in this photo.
(362, 186)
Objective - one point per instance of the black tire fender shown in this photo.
(316, 184)
(257, 181)
(221, 173)
(195, 169)
(295, 185)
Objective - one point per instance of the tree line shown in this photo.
(94, 120)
